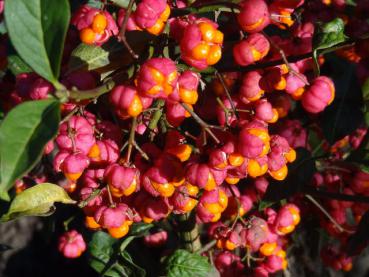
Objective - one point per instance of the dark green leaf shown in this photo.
(37, 201)
(3, 29)
(101, 254)
(140, 229)
(23, 134)
(101, 242)
(329, 34)
(37, 29)
(131, 268)
(316, 143)
(107, 258)
(185, 264)
(344, 115)
(16, 65)
(360, 238)
(300, 174)
(89, 57)
(365, 89)
(264, 204)
(351, 2)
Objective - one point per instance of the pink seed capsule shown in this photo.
(71, 244)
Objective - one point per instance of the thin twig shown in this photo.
(324, 211)
(139, 149)
(221, 79)
(122, 32)
(207, 247)
(68, 116)
(285, 60)
(79, 95)
(85, 202)
(131, 139)
(110, 196)
(224, 108)
(201, 122)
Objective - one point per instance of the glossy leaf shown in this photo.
(185, 264)
(23, 134)
(140, 229)
(37, 201)
(37, 29)
(109, 259)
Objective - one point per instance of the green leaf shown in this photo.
(185, 264)
(101, 250)
(17, 66)
(329, 34)
(3, 29)
(140, 229)
(300, 173)
(365, 90)
(90, 57)
(37, 29)
(108, 260)
(345, 114)
(131, 268)
(326, 36)
(121, 3)
(360, 237)
(316, 143)
(37, 201)
(23, 134)
(264, 205)
(110, 55)
(98, 4)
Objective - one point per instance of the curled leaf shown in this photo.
(37, 201)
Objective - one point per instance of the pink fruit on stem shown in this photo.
(250, 50)
(71, 244)
(319, 95)
(254, 15)
(157, 78)
(76, 134)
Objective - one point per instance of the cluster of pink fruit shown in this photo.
(263, 239)
(132, 157)
(349, 181)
